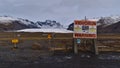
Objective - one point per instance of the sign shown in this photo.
(49, 36)
(15, 41)
(85, 29)
(78, 41)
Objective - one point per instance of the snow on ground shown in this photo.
(46, 30)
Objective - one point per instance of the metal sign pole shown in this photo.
(15, 46)
(53, 35)
(96, 48)
(75, 47)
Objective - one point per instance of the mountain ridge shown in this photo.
(8, 23)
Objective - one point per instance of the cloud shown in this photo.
(61, 10)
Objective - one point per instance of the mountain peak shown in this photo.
(108, 20)
(49, 24)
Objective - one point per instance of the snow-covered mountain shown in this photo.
(7, 19)
(8, 23)
(48, 24)
(108, 20)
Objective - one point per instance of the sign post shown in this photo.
(96, 48)
(75, 47)
(84, 29)
(78, 41)
(49, 37)
(15, 41)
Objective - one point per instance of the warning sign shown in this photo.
(15, 41)
(85, 29)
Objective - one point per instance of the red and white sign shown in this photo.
(85, 29)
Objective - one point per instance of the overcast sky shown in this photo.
(63, 11)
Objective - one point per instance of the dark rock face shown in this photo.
(71, 26)
(13, 25)
(113, 28)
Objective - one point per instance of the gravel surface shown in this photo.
(61, 61)
(28, 58)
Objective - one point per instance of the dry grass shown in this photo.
(44, 47)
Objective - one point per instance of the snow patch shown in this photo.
(46, 30)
